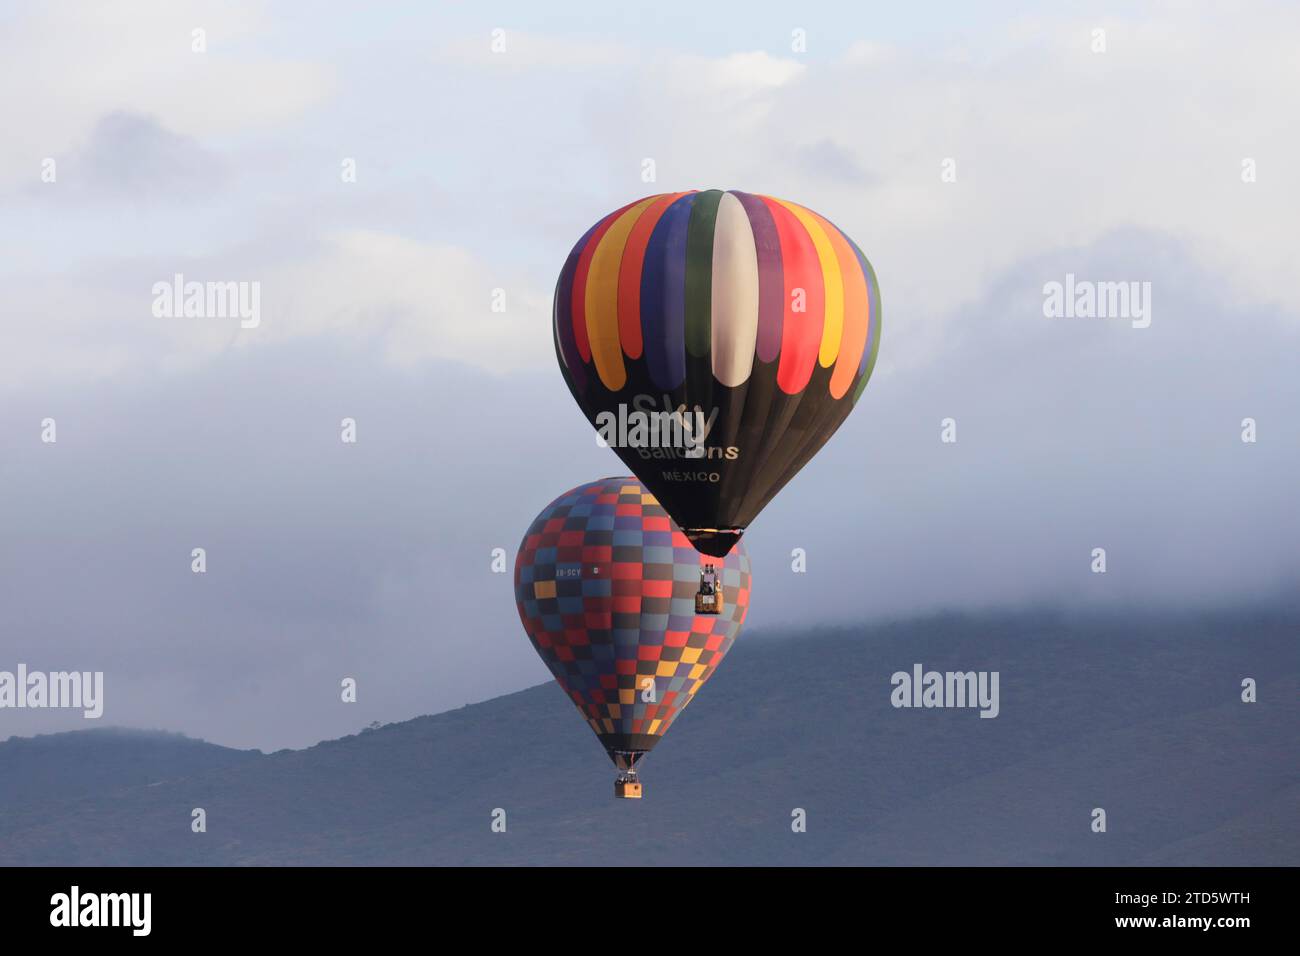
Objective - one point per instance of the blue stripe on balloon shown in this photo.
(663, 296)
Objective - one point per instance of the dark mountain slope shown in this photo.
(1139, 714)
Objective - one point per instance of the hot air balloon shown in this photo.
(716, 340)
(606, 587)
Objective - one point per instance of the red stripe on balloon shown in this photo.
(629, 274)
(801, 332)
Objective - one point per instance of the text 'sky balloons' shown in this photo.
(606, 588)
(754, 317)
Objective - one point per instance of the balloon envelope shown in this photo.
(605, 585)
(755, 318)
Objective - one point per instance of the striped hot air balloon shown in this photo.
(716, 340)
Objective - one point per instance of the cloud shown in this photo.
(76, 63)
(130, 156)
(513, 50)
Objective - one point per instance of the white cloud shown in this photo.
(64, 66)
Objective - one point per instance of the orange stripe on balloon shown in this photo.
(629, 274)
(857, 309)
(578, 306)
(801, 332)
(602, 297)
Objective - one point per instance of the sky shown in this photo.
(974, 159)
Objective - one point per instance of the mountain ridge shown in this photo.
(1145, 722)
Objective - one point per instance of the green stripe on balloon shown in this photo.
(699, 273)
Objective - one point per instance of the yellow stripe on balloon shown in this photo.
(602, 298)
(833, 327)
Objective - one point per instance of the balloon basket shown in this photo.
(708, 603)
(627, 787)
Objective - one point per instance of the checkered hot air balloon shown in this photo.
(606, 587)
(750, 323)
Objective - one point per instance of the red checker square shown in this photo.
(657, 589)
(571, 537)
(626, 570)
(638, 726)
(714, 642)
(676, 638)
(563, 653)
(625, 666)
(576, 637)
(609, 681)
(627, 604)
(628, 510)
(597, 554)
(653, 523)
(703, 624)
(647, 652)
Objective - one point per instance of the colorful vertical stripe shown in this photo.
(729, 277)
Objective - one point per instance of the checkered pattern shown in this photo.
(605, 585)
